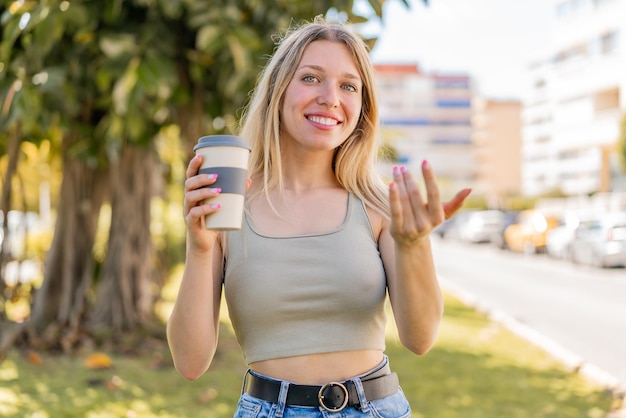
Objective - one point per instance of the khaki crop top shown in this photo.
(296, 295)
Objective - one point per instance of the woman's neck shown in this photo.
(300, 175)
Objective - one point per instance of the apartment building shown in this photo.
(497, 141)
(576, 98)
(428, 117)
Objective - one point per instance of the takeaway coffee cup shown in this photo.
(226, 156)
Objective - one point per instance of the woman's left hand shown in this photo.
(412, 217)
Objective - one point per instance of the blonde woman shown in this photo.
(323, 242)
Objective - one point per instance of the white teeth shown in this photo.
(323, 121)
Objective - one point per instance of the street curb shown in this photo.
(572, 361)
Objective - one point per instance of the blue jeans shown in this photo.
(393, 406)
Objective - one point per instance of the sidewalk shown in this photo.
(572, 361)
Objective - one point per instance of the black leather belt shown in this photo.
(333, 396)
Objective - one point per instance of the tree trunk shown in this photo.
(13, 150)
(190, 119)
(60, 304)
(124, 298)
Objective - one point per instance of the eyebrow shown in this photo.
(318, 68)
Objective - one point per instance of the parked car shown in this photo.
(509, 217)
(449, 229)
(559, 240)
(481, 225)
(601, 242)
(528, 234)
(472, 225)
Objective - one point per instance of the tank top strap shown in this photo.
(359, 214)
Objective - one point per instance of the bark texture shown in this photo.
(60, 305)
(124, 296)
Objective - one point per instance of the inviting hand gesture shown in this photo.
(413, 218)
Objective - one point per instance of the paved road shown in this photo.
(576, 311)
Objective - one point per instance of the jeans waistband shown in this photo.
(333, 396)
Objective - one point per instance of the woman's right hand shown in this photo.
(199, 239)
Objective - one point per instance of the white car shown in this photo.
(478, 226)
(559, 239)
(601, 242)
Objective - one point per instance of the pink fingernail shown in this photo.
(425, 164)
(403, 169)
(215, 206)
(212, 176)
(396, 170)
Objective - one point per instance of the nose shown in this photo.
(329, 96)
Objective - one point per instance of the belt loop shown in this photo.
(282, 398)
(245, 380)
(363, 406)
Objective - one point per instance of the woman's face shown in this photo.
(323, 100)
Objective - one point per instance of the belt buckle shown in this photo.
(323, 396)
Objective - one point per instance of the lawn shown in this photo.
(477, 369)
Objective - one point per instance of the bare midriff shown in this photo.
(318, 369)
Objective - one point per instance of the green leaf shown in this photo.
(377, 5)
(10, 34)
(21, 7)
(116, 45)
(238, 53)
(356, 19)
(136, 126)
(370, 42)
(46, 34)
(148, 73)
(124, 86)
(172, 9)
(54, 78)
(209, 38)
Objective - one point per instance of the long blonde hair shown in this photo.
(355, 160)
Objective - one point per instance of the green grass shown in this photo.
(476, 370)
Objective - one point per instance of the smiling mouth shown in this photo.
(323, 121)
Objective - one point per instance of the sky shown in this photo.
(491, 40)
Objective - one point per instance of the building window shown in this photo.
(405, 122)
(453, 103)
(600, 3)
(452, 83)
(562, 10)
(452, 141)
(452, 122)
(609, 42)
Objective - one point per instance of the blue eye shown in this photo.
(309, 78)
(349, 87)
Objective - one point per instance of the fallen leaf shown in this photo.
(208, 396)
(98, 361)
(113, 383)
(34, 358)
